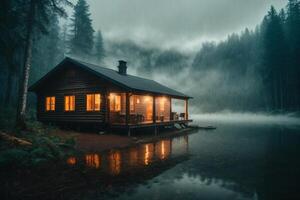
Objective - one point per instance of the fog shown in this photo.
(246, 118)
(182, 24)
(217, 87)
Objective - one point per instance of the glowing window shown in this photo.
(131, 103)
(50, 103)
(162, 104)
(115, 102)
(93, 102)
(69, 103)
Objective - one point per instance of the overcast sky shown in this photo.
(176, 23)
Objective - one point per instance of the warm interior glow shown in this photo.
(149, 107)
(97, 101)
(115, 102)
(162, 104)
(69, 103)
(147, 98)
(93, 102)
(50, 103)
(92, 160)
(131, 103)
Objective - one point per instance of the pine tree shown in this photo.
(99, 47)
(81, 41)
(37, 16)
(293, 33)
(11, 39)
(274, 58)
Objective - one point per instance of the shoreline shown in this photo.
(91, 142)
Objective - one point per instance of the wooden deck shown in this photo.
(150, 124)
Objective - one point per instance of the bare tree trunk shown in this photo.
(26, 68)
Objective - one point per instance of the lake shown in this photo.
(241, 159)
(235, 161)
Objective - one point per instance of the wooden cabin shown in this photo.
(80, 92)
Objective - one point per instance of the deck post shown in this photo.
(127, 109)
(154, 115)
(186, 108)
(129, 134)
(171, 145)
(154, 110)
(171, 116)
(107, 108)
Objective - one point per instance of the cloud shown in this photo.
(176, 23)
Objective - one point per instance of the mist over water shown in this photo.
(246, 118)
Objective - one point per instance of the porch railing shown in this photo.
(120, 118)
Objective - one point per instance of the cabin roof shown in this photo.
(127, 81)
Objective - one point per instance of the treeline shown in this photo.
(230, 76)
(33, 40)
(281, 56)
(268, 57)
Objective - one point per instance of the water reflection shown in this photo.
(114, 162)
(133, 157)
(163, 149)
(71, 160)
(92, 160)
(231, 162)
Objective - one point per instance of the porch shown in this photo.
(129, 110)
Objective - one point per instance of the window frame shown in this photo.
(68, 97)
(92, 102)
(51, 103)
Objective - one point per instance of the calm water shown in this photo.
(236, 161)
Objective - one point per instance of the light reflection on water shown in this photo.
(114, 162)
(92, 160)
(232, 162)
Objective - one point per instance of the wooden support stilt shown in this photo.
(155, 130)
(129, 134)
(171, 145)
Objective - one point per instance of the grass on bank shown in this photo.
(43, 147)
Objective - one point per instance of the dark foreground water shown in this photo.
(235, 161)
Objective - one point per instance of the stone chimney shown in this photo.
(122, 67)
